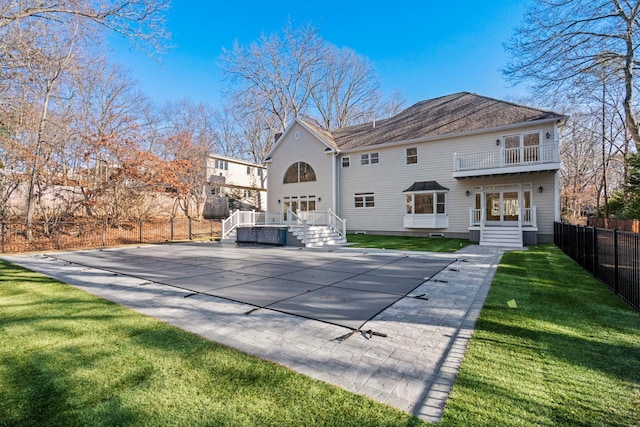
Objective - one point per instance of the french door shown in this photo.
(502, 204)
(298, 204)
(502, 207)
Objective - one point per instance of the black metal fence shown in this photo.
(16, 237)
(612, 256)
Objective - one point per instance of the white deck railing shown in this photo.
(294, 220)
(236, 219)
(327, 218)
(300, 219)
(528, 215)
(535, 154)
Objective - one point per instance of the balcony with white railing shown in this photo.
(507, 160)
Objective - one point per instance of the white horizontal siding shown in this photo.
(307, 149)
(392, 176)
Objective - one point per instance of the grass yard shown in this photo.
(406, 243)
(70, 359)
(568, 355)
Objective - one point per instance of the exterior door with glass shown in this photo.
(502, 207)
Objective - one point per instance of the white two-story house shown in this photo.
(461, 165)
(234, 184)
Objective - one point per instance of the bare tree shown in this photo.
(188, 138)
(562, 44)
(348, 89)
(228, 141)
(108, 109)
(44, 66)
(141, 21)
(279, 72)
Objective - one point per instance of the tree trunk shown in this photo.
(35, 170)
(632, 121)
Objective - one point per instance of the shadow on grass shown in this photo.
(572, 349)
(38, 390)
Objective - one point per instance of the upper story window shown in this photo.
(299, 172)
(522, 148)
(249, 168)
(369, 159)
(222, 164)
(346, 162)
(412, 155)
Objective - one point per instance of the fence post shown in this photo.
(58, 235)
(211, 228)
(140, 229)
(615, 260)
(3, 228)
(104, 231)
(595, 252)
(190, 237)
(171, 223)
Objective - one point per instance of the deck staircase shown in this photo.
(510, 237)
(309, 229)
(317, 236)
(231, 237)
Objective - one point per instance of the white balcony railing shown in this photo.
(507, 157)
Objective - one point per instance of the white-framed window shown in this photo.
(369, 159)
(346, 162)
(426, 203)
(247, 194)
(412, 155)
(249, 168)
(299, 172)
(522, 147)
(222, 164)
(364, 200)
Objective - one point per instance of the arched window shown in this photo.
(299, 172)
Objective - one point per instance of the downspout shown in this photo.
(556, 178)
(334, 197)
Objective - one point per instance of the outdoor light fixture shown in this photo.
(548, 135)
(278, 201)
(498, 141)
(540, 189)
(319, 199)
(467, 193)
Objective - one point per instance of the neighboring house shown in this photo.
(461, 165)
(234, 184)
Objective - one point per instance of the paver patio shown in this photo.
(411, 364)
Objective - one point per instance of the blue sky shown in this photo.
(424, 48)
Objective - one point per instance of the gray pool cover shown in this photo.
(343, 289)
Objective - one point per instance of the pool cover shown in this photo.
(342, 288)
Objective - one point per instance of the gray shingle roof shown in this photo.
(451, 114)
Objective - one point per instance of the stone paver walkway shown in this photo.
(413, 368)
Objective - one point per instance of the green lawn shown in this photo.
(406, 243)
(70, 359)
(569, 354)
